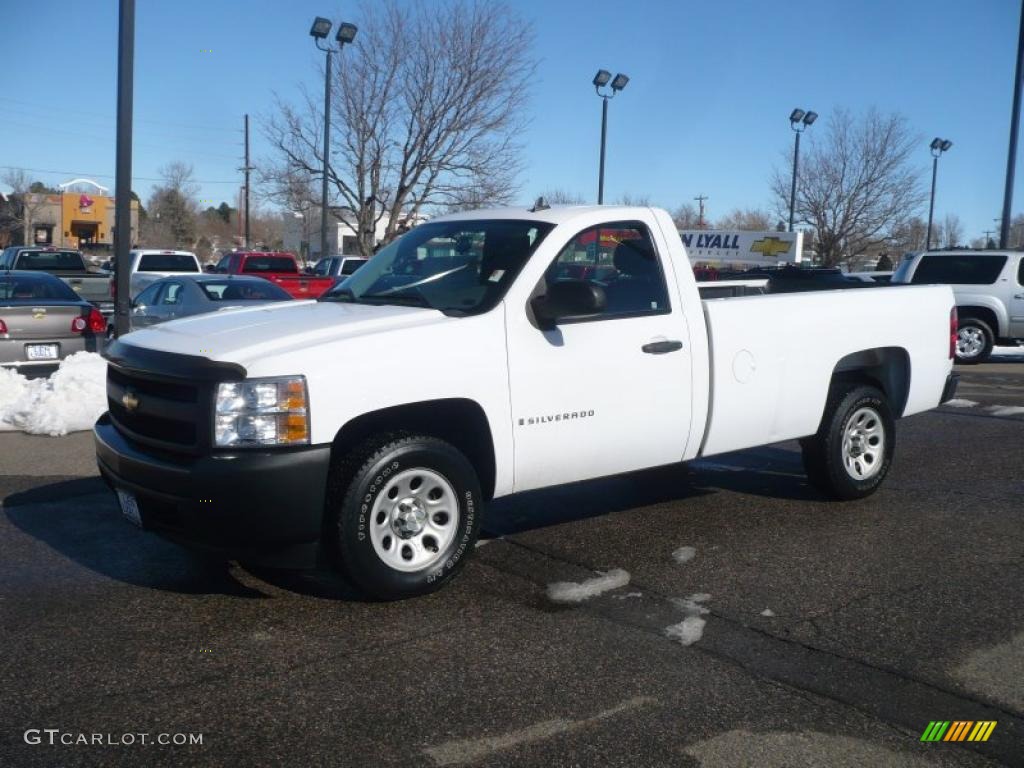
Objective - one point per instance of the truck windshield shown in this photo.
(167, 262)
(458, 267)
(49, 260)
(284, 264)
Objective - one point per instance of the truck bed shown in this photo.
(773, 355)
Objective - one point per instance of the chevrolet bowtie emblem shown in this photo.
(38, 313)
(770, 247)
(129, 401)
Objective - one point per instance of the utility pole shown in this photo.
(247, 169)
(123, 178)
(988, 237)
(700, 216)
(1011, 160)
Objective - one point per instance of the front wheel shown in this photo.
(851, 454)
(404, 515)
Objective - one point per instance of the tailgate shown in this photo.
(94, 288)
(301, 286)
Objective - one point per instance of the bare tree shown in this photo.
(28, 200)
(911, 235)
(686, 216)
(951, 232)
(630, 199)
(563, 197)
(173, 209)
(427, 105)
(856, 184)
(751, 219)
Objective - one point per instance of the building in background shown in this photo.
(302, 235)
(80, 215)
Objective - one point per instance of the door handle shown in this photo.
(662, 347)
(1018, 295)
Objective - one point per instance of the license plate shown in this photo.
(129, 507)
(42, 351)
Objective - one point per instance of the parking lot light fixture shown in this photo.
(602, 79)
(799, 121)
(938, 146)
(321, 28)
(346, 34)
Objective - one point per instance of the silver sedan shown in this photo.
(186, 295)
(42, 321)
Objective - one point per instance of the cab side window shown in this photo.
(172, 293)
(621, 259)
(1020, 271)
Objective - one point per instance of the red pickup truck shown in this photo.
(278, 267)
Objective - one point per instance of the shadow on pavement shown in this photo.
(79, 519)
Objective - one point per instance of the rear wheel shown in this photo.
(974, 341)
(404, 515)
(851, 454)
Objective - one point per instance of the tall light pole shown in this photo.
(799, 121)
(601, 79)
(346, 34)
(123, 171)
(938, 146)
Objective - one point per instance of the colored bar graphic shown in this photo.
(958, 730)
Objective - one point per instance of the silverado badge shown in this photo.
(129, 401)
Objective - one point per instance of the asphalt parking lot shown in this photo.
(833, 633)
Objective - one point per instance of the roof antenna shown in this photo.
(540, 205)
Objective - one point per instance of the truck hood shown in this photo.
(246, 334)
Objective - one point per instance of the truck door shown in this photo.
(1017, 303)
(610, 393)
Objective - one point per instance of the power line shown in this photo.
(108, 175)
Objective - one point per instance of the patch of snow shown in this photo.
(768, 612)
(573, 592)
(688, 631)
(684, 554)
(1006, 410)
(628, 595)
(958, 402)
(691, 604)
(70, 400)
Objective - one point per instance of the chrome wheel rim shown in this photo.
(863, 444)
(414, 519)
(970, 340)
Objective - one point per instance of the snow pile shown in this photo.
(690, 629)
(573, 592)
(958, 402)
(768, 612)
(684, 554)
(1006, 410)
(69, 401)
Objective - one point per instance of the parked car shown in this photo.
(149, 265)
(278, 267)
(42, 321)
(989, 291)
(186, 295)
(338, 266)
(369, 428)
(67, 264)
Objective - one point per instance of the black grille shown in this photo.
(159, 411)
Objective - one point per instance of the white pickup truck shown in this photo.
(488, 353)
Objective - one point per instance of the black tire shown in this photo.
(362, 478)
(973, 324)
(825, 454)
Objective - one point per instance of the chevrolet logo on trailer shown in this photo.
(770, 247)
(129, 401)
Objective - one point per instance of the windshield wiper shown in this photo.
(386, 297)
(342, 294)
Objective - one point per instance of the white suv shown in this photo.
(989, 291)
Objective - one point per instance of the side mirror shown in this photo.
(568, 300)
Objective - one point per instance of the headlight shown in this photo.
(262, 412)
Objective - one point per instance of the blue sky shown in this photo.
(712, 84)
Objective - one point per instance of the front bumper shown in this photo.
(265, 507)
(949, 391)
